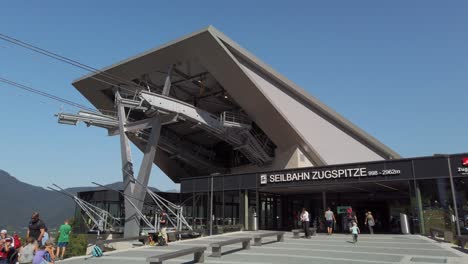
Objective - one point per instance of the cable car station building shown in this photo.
(242, 140)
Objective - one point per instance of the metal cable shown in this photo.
(72, 62)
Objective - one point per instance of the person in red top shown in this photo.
(2, 255)
(16, 241)
(351, 217)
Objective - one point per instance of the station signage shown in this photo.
(325, 174)
(463, 169)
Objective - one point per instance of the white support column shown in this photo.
(246, 210)
(167, 83)
(132, 221)
(147, 162)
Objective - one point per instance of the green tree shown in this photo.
(77, 245)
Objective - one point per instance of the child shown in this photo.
(39, 255)
(152, 239)
(49, 256)
(355, 231)
(64, 237)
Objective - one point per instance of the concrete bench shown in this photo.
(216, 247)
(177, 235)
(462, 240)
(296, 232)
(198, 252)
(258, 237)
(448, 235)
(136, 241)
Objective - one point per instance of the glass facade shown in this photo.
(461, 194)
(420, 188)
(431, 191)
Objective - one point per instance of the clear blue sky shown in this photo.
(397, 69)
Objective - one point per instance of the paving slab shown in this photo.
(335, 249)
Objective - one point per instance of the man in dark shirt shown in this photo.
(36, 228)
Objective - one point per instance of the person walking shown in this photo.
(64, 237)
(355, 231)
(36, 228)
(370, 222)
(330, 219)
(163, 225)
(351, 217)
(305, 219)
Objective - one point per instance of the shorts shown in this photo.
(330, 223)
(62, 244)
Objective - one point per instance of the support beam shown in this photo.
(167, 84)
(246, 210)
(147, 162)
(132, 221)
(187, 78)
(147, 123)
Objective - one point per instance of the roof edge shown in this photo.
(347, 125)
(106, 68)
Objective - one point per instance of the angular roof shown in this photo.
(288, 115)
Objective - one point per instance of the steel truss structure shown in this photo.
(101, 220)
(161, 110)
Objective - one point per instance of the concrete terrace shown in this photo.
(378, 249)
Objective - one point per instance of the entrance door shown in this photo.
(270, 214)
(386, 200)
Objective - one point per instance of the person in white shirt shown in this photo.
(305, 222)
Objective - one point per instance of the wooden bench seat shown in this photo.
(258, 237)
(296, 232)
(216, 247)
(199, 255)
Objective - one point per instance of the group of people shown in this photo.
(330, 220)
(39, 247)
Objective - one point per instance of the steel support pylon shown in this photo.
(136, 193)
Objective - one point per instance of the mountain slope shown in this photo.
(19, 200)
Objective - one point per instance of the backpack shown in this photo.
(14, 256)
(96, 252)
(47, 257)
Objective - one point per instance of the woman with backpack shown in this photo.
(370, 222)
